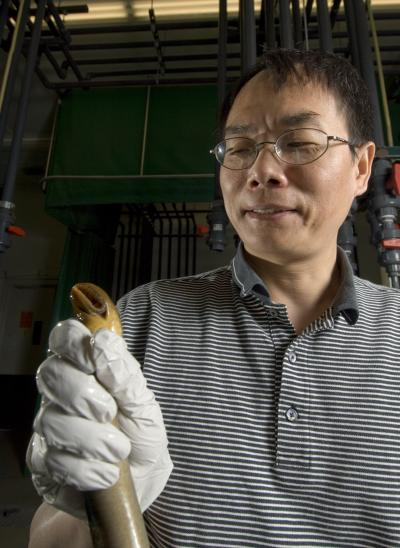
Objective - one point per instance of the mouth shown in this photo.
(271, 212)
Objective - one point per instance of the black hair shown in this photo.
(337, 75)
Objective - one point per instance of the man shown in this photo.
(277, 375)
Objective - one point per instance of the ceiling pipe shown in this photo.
(247, 34)
(324, 25)
(285, 22)
(7, 196)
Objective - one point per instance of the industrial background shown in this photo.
(108, 110)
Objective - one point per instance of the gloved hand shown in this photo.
(75, 447)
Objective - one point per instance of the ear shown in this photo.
(363, 165)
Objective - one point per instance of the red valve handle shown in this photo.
(16, 230)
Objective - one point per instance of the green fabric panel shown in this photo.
(181, 130)
(61, 193)
(100, 132)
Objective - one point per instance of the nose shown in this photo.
(267, 168)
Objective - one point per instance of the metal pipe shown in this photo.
(9, 182)
(297, 24)
(120, 260)
(222, 43)
(145, 124)
(309, 7)
(62, 31)
(324, 25)
(3, 16)
(10, 70)
(247, 35)
(152, 58)
(334, 16)
(367, 66)
(285, 23)
(270, 33)
(352, 33)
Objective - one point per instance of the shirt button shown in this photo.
(273, 313)
(292, 357)
(292, 414)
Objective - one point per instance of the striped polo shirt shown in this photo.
(277, 439)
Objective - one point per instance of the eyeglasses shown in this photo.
(295, 146)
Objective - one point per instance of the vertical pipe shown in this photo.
(130, 236)
(222, 43)
(247, 34)
(10, 70)
(138, 244)
(3, 16)
(9, 183)
(217, 237)
(297, 23)
(324, 26)
(367, 65)
(194, 256)
(352, 32)
(121, 247)
(146, 121)
(285, 25)
(269, 10)
(187, 242)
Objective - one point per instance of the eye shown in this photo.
(240, 148)
(301, 144)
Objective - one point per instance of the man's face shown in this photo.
(316, 197)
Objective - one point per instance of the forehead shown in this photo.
(295, 103)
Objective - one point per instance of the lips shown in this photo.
(270, 209)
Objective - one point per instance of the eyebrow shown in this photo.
(299, 118)
(239, 129)
(288, 120)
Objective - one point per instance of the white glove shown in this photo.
(74, 447)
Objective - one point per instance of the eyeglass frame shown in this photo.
(258, 147)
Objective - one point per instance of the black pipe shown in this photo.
(270, 34)
(298, 25)
(3, 16)
(12, 71)
(171, 71)
(121, 247)
(334, 16)
(9, 182)
(222, 53)
(324, 25)
(352, 33)
(194, 235)
(309, 6)
(133, 45)
(62, 30)
(247, 35)
(367, 66)
(285, 22)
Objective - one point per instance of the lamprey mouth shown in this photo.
(93, 307)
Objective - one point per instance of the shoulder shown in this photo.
(377, 300)
(365, 288)
(177, 290)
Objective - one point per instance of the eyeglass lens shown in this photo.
(297, 146)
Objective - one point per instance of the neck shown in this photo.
(307, 287)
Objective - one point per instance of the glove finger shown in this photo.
(146, 433)
(75, 392)
(119, 372)
(84, 475)
(71, 340)
(81, 437)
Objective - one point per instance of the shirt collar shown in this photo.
(345, 301)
